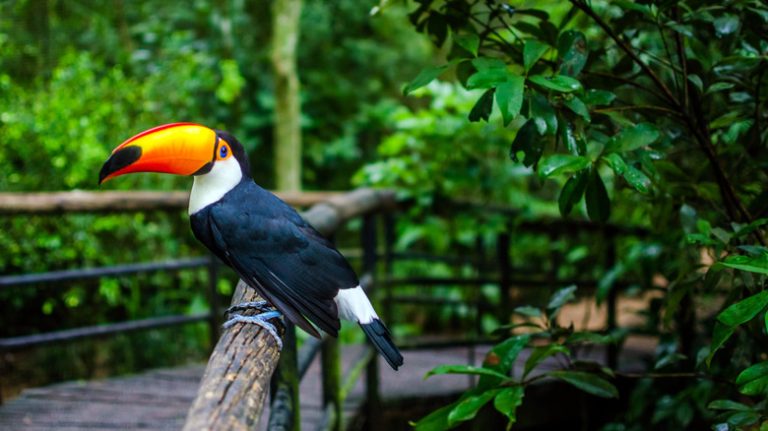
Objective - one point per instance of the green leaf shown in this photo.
(572, 192)
(469, 406)
(464, 369)
(509, 97)
(468, 41)
(720, 335)
(599, 97)
(527, 310)
(607, 281)
(424, 77)
(487, 78)
(766, 321)
(740, 419)
(632, 138)
(719, 86)
(232, 81)
(559, 83)
(728, 405)
(543, 114)
(532, 52)
(503, 355)
(744, 310)
(635, 177)
(696, 81)
(758, 264)
(587, 382)
(598, 203)
(560, 163)
(578, 107)
(435, 421)
(574, 145)
(754, 372)
(590, 338)
(528, 141)
(540, 353)
(758, 386)
(484, 63)
(572, 49)
(483, 107)
(560, 298)
(726, 24)
(508, 400)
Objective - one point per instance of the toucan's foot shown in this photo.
(261, 320)
(260, 306)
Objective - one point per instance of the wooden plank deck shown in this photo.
(159, 399)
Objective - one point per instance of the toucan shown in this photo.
(261, 237)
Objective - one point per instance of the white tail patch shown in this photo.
(354, 305)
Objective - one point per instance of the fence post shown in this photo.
(505, 272)
(610, 260)
(330, 357)
(389, 261)
(369, 240)
(284, 387)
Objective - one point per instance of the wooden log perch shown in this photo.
(237, 378)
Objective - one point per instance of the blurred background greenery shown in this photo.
(79, 77)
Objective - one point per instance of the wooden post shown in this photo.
(233, 388)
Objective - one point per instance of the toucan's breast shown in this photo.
(211, 187)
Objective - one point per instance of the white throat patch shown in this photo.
(209, 188)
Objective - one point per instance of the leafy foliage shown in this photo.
(498, 382)
(651, 113)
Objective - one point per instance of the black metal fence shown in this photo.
(377, 236)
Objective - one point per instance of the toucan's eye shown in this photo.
(223, 151)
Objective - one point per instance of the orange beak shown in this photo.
(177, 148)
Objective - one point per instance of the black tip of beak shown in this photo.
(119, 160)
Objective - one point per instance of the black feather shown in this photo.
(381, 339)
(277, 253)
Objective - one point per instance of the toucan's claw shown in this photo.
(260, 320)
(260, 306)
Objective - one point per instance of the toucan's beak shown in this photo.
(178, 148)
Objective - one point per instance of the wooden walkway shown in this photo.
(159, 399)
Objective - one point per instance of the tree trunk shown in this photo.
(287, 128)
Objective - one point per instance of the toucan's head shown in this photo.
(181, 149)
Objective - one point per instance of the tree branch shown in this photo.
(629, 51)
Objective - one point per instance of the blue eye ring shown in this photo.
(223, 151)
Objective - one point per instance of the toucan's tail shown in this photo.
(379, 336)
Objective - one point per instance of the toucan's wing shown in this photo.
(276, 251)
